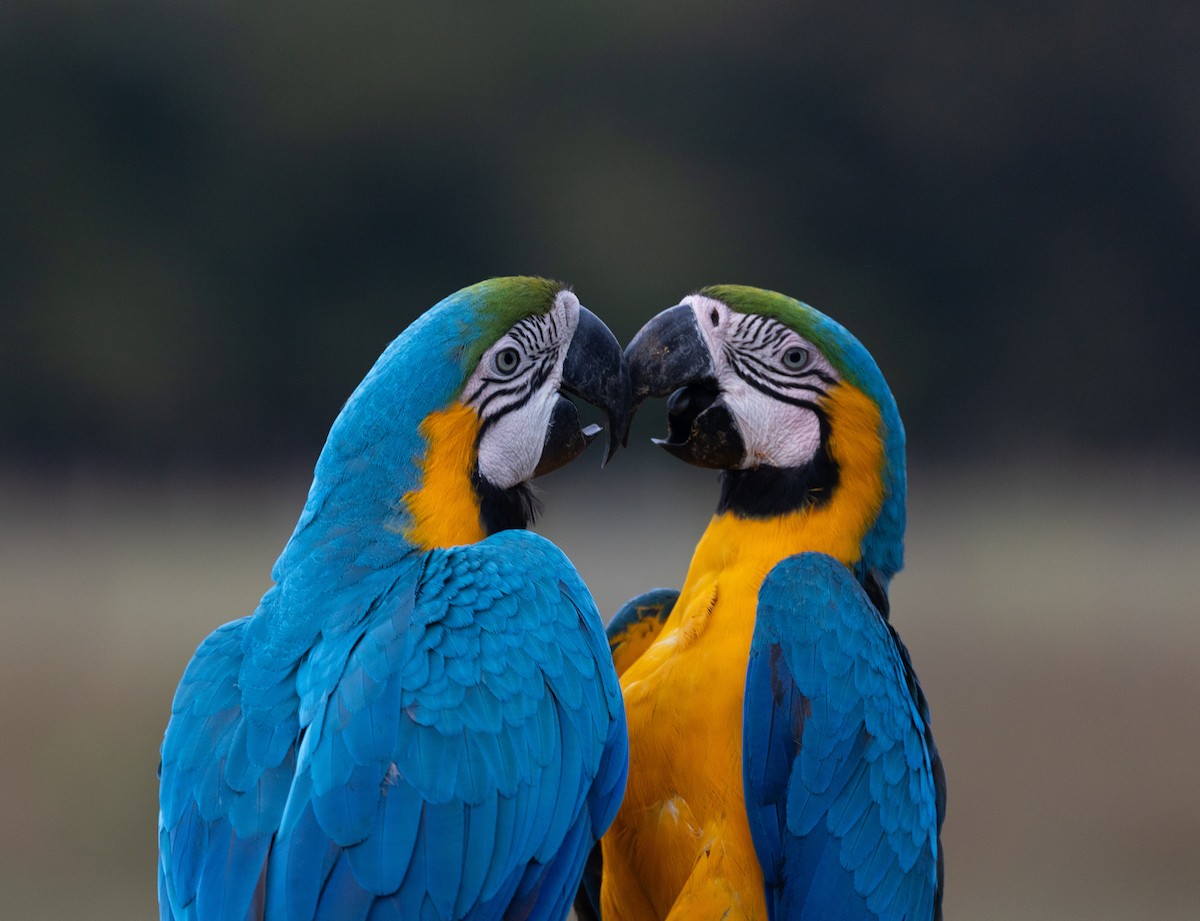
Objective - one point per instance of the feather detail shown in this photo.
(429, 757)
(859, 836)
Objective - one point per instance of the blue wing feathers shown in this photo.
(256, 811)
(765, 771)
(301, 862)
(808, 802)
(499, 871)
(882, 900)
(232, 867)
(609, 787)
(557, 889)
(443, 835)
(369, 732)
(379, 861)
(871, 872)
(342, 898)
(851, 804)
(188, 841)
(460, 738)
(831, 714)
(655, 604)
(165, 898)
(544, 793)
(859, 840)
(563, 791)
(479, 839)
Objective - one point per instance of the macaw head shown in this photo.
(438, 443)
(789, 404)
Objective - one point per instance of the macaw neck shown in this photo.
(393, 480)
(369, 511)
(374, 500)
(835, 504)
(443, 508)
(452, 503)
(734, 541)
(768, 492)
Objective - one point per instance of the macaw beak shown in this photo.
(594, 371)
(670, 355)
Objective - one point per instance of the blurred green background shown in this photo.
(213, 216)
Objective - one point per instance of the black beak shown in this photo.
(667, 353)
(670, 355)
(594, 371)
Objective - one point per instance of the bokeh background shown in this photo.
(213, 216)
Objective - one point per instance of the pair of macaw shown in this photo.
(423, 718)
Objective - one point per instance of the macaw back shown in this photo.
(421, 781)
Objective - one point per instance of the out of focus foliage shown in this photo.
(213, 215)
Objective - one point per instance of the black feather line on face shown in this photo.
(538, 345)
(763, 386)
(744, 368)
(754, 346)
(516, 387)
(536, 336)
(770, 372)
(773, 336)
(522, 388)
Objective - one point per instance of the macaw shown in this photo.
(421, 719)
(781, 759)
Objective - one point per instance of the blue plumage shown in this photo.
(650, 609)
(842, 783)
(398, 730)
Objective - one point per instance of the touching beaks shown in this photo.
(670, 355)
(595, 371)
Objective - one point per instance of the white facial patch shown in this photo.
(770, 378)
(514, 389)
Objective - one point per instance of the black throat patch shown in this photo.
(767, 492)
(505, 509)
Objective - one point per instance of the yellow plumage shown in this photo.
(444, 509)
(680, 847)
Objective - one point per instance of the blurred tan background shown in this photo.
(216, 215)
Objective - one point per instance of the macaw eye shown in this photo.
(506, 360)
(795, 358)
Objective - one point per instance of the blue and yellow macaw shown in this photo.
(421, 719)
(781, 760)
